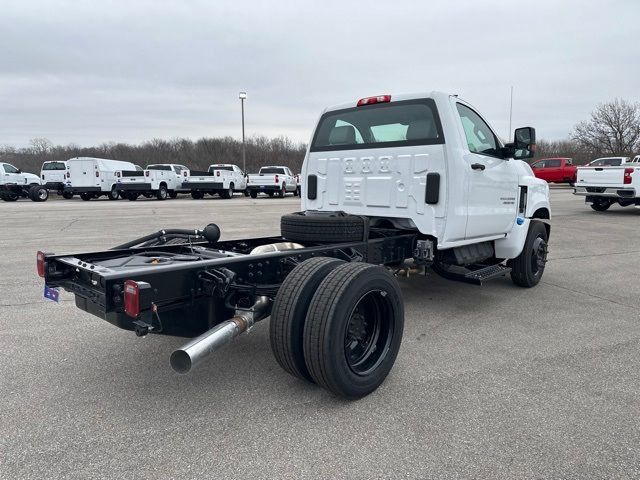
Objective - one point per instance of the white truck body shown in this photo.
(54, 173)
(161, 180)
(91, 177)
(10, 175)
(428, 162)
(606, 185)
(14, 184)
(272, 180)
(220, 178)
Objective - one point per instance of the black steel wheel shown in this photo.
(353, 330)
(86, 196)
(173, 194)
(289, 313)
(67, 195)
(253, 194)
(197, 195)
(528, 267)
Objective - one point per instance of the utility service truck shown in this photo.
(220, 179)
(272, 181)
(161, 181)
(391, 184)
(93, 177)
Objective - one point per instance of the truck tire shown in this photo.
(86, 196)
(528, 267)
(228, 193)
(173, 194)
(162, 193)
(113, 194)
(67, 195)
(283, 191)
(10, 197)
(38, 193)
(354, 329)
(253, 194)
(600, 205)
(131, 196)
(197, 195)
(289, 312)
(334, 228)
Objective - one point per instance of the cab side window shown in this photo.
(9, 168)
(177, 169)
(480, 138)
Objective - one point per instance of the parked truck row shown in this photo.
(91, 178)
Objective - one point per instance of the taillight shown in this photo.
(217, 173)
(118, 174)
(184, 173)
(40, 263)
(131, 298)
(68, 175)
(146, 173)
(627, 175)
(372, 100)
(277, 178)
(43, 176)
(97, 174)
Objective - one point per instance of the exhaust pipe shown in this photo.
(192, 353)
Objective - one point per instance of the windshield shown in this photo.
(395, 124)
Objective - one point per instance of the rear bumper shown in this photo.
(264, 188)
(609, 192)
(75, 190)
(58, 186)
(134, 187)
(202, 186)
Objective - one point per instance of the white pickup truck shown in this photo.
(603, 186)
(161, 180)
(272, 180)
(421, 179)
(220, 179)
(14, 184)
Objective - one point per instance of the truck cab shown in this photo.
(555, 170)
(157, 180)
(272, 180)
(426, 162)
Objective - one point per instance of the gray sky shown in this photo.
(128, 71)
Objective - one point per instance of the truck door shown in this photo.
(492, 186)
(11, 174)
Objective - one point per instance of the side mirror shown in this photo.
(19, 171)
(524, 144)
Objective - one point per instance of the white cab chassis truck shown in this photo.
(93, 177)
(220, 179)
(603, 186)
(391, 185)
(15, 184)
(159, 180)
(272, 180)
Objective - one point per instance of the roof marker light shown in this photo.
(372, 100)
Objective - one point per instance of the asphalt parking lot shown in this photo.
(491, 382)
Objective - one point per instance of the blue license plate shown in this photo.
(51, 293)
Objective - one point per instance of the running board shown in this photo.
(487, 273)
(475, 277)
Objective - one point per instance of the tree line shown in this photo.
(613, 129)
(197, 155)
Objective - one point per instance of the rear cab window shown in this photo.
(159, 167)
(228, 168)
(381, 125)
(272, 170)
(53, 166)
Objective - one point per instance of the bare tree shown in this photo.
(614, 128)
(40, 146)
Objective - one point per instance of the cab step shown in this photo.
(487, 273)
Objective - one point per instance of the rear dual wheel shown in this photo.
(38, 193)
(601, 204)
(10, 197)
(338, 324)
(197, 195)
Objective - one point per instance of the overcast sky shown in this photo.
(128, 71)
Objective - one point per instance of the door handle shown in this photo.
(477, 166)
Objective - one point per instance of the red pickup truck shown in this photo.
(555, 170)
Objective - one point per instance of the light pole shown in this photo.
(243, 96)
